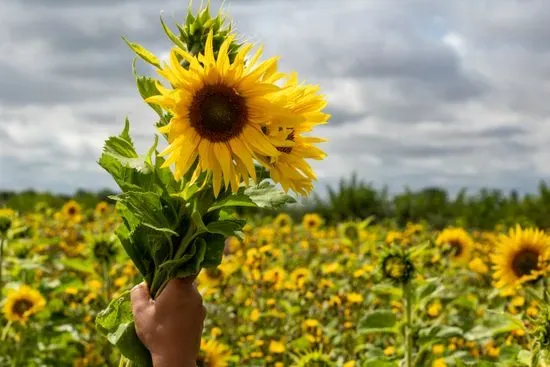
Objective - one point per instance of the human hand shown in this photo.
(170, 326)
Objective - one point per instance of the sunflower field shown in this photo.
(291, 293)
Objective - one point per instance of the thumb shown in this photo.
(140, 298)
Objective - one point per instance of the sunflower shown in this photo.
(213, 354)
(23, 303)
(283, 223)
(300, 277)
(71, 210)
(350, 231)
(290, 168)
(101, 208)
(521, 256)
(457, 242)
(312, 221)
(218, 108)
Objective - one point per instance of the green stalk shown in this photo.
(5, 331)
(409, 323)
(545, 290)
(107, 281)
(1, 263)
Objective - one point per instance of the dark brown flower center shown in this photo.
(218, 113)
(456, 247)
(21, 306)
(214, 273)
(72, 210)
(351, 233)
(525, 262)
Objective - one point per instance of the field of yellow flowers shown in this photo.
(289, 293)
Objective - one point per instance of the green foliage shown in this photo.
(117, 324)
(354, 199)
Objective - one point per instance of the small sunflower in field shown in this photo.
(314, 358)
(521, 256)
(6, 218)
(397, 266)
(213, 354)
(300, 277)
(457, 243)
(219, 107)
(101, 209)
(350, 231)
(22, 303)
(71, 211)
(312, 221)
(283, 223)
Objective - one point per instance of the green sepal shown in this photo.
(116, 323)
(172, 36)
(143, 53)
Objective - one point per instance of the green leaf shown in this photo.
(379, 363)
(267, 195)
(386, 289)
(524, 357)
(150, 209)
(147, 87)
(121, 160)
(498, 324)
(142, 52)
(378, 321)
(116, 323)
(215, 245)
(234, 200)
(449, 331)
(193, 266)
(226, 227)
(189, 264)
(196, 217)
(80, 265)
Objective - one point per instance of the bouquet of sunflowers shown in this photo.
(235, 128)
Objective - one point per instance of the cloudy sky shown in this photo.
(423, 93)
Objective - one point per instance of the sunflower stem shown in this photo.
(409, 323)
(6, 330)
(1, 263)
(545, 290)
(107, 281)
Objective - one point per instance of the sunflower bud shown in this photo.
(5, 225)
(194, 32)
(104, 249)
(397, 267)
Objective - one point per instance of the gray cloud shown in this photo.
(422, 92)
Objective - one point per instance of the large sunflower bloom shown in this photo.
(459, 243)
(521, 256)
(23, 303)
(290, 168)
(219, 107)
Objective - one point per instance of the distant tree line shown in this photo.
(354, 199)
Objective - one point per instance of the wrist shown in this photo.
(160, 360)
